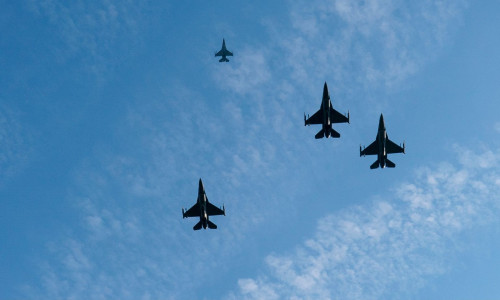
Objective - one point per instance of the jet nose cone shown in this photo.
(381, 121)
(325, 90)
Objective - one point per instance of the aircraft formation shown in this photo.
(326, 116)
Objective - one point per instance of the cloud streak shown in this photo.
(392, 246)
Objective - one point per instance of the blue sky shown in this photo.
(111, 112)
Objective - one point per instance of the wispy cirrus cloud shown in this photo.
(130, 240)
(15, 149)
(248, 73)
(359, 47)
(367, 43)
(90, 31)
(170, 141)
(497, 126)
(392, 246)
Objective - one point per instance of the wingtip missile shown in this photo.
(404, 148)
(348, 118)
(183, 213)
(305, 119)
(223, 209)
(361, 149)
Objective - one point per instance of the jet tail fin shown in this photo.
(320, 134)
(374, 165)
(223, 60)
(334, 134)
(197, 226)
(389, 163)
(211, 225)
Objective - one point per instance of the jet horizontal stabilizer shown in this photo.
(374, 165)
(334, 134)
(389, 163)
(211, 225)
(320, 134)
(197, 226)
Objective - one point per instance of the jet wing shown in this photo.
(336, 117)
(213, 210)
(194, 211)
(224, 52)
(391, 147)
(220, 53)
(317, 118)
(372, 149)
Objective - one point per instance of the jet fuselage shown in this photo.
(325, 106)
(382, 138)
(202, 200)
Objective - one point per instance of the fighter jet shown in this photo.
(381, 147)
(203, 209)
(224, 52)
(326, 116)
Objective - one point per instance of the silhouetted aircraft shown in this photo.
(381, 147)
(203, 209)
(326, 116)
(224, 52)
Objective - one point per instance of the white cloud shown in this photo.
(145, 256)
(378, 42)
(390, 247)
(130, 238)
(497, 126)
